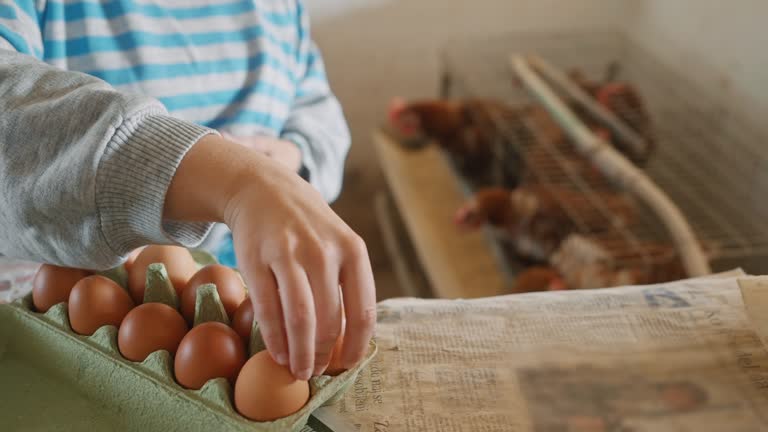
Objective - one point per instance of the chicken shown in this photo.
(538, 278)
(606, 261)
(536, 218)
(494, 144)
(623, 100)
(476, 133)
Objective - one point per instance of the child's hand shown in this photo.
(282, 151)
(294, 251)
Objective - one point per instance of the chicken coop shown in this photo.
(528, 101)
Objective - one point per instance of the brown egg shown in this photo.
(97, 301)
(128, 264)
(266, 391)
(178, 262)
(210, 350)
(150, 327)
(335, 365)
(52, 285)
(242, 321)
(228, 285)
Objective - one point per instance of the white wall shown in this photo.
(721, 44)
(376, 49)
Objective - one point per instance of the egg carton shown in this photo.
(83, 382)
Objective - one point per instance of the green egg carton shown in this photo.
(54, 379)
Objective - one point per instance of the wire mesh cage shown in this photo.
(708, 161)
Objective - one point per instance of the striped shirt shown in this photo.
(246, 67)
(239, 66)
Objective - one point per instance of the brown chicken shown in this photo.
(538, 278)
(623, 100)
(536, 218)
(478, 134)
(606, 261)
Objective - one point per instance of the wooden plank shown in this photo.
(427, 193)
(385, 215)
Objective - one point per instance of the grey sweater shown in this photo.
(85, 164)
(84, 168)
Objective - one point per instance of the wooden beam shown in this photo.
(427, 193)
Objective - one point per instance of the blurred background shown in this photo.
(376, 50)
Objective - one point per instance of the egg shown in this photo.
(335, 366)
(210, 350)
(229, 286)
(148, 328)
(266, 391)
(242, 321)
(97, 301)
(52, 285)
(128, 264)
(178, 263)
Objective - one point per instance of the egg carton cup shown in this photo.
(145, 396)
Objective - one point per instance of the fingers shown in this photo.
(299, 316)
(359, 297)
(267, 310)
(323, 274)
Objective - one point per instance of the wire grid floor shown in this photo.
(709, 161)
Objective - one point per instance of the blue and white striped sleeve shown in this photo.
(19, 28)
(316, 123)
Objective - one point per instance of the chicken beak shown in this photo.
(461, 216)
(466, 218)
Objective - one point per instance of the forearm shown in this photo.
(285, 152)
(211, 173)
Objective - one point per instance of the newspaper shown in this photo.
(681, 356)
(684, 356)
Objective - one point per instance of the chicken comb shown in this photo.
(396, 107)
(460, 215)
(608, 91)
(557, 284)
